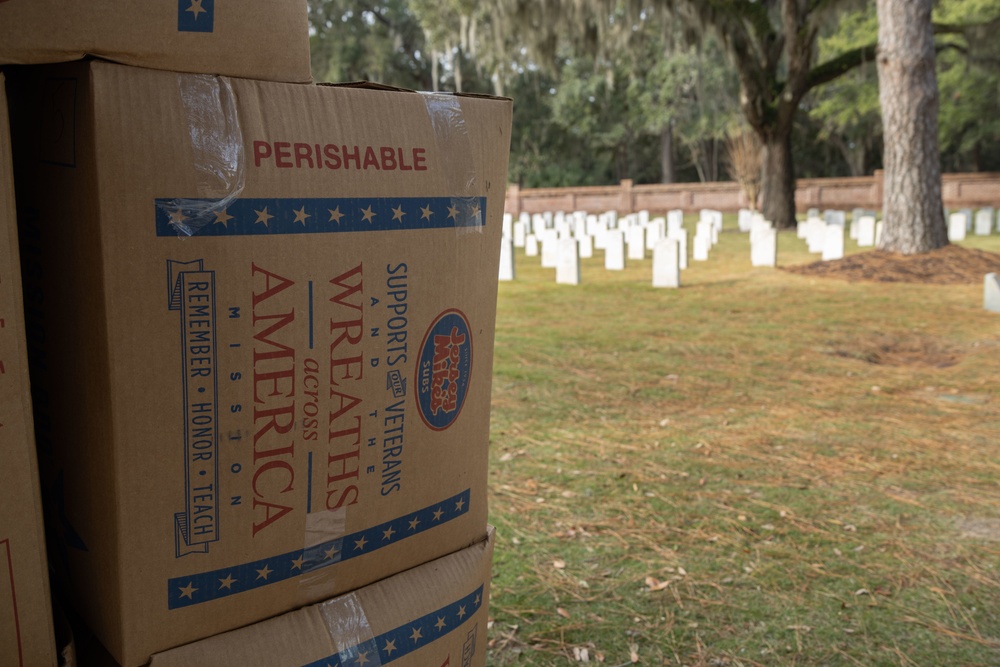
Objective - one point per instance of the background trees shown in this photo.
(650, 89)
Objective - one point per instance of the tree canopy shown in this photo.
(650, 89)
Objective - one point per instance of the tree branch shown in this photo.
(840, 65)
(963, 28)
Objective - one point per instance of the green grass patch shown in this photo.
(760, 468)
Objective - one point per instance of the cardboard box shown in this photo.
(257, 39)
(289, 403)
(433, 615)
(26, 635)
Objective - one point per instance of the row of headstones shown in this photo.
(563, 240)
(824, 234)
(981, 223)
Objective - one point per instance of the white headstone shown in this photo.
(614, 251)
(991, 292)
(520, 232)
(956, 226)
(675, 219)
(531, 246)
(879, 226)
(802, 229)
(758, 226)
(667, 263)
(506, 259)
(636, 242)
(586, 246)
(702, 242)
(833, 217)
(744, 219)
(713, 217)
(600, 236)
(643, 217)
(655, 230)
(812, 213)
(764, 247)
(704, 228)
(568, 267)
(681, 236)
(816, 234)
(612, 218)
(507, 228)
(525, 217)
(550, 248)
(984, 222)
(866, 231)
(833, 242)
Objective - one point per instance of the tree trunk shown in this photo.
(667, 174)
(911, 206)
(777, 190)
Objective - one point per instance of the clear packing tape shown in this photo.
(218, 155)
(217, 151)
(350, 631)
(455, 146)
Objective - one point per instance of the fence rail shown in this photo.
(958, 191)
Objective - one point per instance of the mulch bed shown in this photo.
(951, 265)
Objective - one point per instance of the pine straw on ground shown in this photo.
(951, 265)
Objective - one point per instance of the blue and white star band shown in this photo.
(215, 584)
(261, 217)
(408, 637)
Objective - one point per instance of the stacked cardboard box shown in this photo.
(257, 39)
(262, 326)
(434, 615)
(26, 637)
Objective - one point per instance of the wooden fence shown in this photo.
(958, 191)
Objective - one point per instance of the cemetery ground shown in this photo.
(760, 468)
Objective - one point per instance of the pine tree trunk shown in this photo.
(911, 205)
(777, 191)
(667, 174)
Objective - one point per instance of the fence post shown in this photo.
(625, 203)
(513, 200)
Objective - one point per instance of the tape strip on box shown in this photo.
(217, 153)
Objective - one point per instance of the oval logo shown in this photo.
(444, 369)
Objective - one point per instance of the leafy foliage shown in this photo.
(600, 86)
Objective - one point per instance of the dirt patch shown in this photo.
(951, 265)
(980, 529)
(898, 350)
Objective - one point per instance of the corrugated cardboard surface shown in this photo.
(26, 636)
(433, 615)
(259, 39)
(294, 401)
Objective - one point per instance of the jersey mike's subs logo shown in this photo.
(444, 369)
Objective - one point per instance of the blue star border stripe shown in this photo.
(264, 217)
(215, 584)
(407, 638)
(195, 15)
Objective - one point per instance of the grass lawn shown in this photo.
(760, 468)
